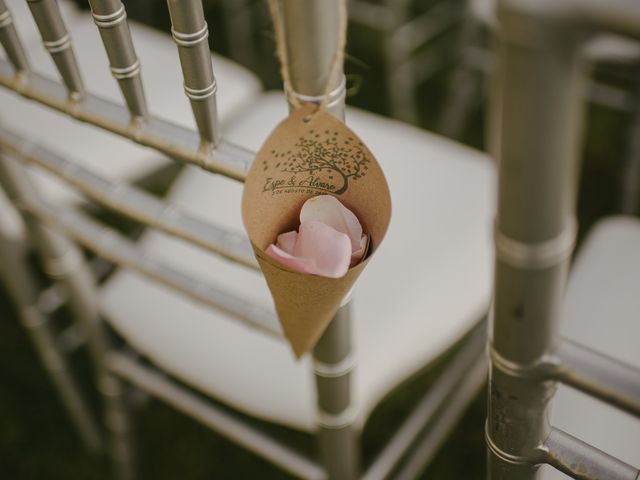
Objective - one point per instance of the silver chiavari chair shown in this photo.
(119, 160)
(411, 47)
(203, 323)
(467, 89)
(536, 119)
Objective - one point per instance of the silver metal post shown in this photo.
(311, 34)
(333, 364)
(539, 122)
(400, 72)
(311, 30)
(110, 17)
(57, 41)
(238, 15)
(630, 201)
(10, 41)
(191, 34)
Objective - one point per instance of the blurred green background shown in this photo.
(36, 440)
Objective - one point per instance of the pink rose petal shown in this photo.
(287, 241)
(358, 254)
(329, 210)
(329, 249)
(302, 265)
(328, 242)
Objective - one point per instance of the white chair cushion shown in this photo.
(429, 282)
(602, 311)
(109, 155)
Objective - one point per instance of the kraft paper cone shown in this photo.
(311, 153)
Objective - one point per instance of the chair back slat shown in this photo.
(111, 245)
(57, 41)
(191, 33)
(110, 17)
(173, 140)
(10, 41)
(132, 202)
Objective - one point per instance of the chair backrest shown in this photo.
(312, 34)
(536, 119)
(132, 121)
(416, 45)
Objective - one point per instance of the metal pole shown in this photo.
(311, 33)
(10, 40)
(580, 460)
(311, 29)
(333, 366)
(57, 41)
(111, 19)
(630, 201)
(539, 123)
(600, 376)
(191, 34)
(400, 75)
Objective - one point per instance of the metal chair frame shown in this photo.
(536, 124)
(406, 66)
(476, 59)
(57, 234)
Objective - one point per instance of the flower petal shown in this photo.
(287, 241)
(329, 210)
(358, 254)
(302, 265)
(329, 249)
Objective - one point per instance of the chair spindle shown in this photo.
(57, 41)
(110, 17)
(10, 40)
(190, 32)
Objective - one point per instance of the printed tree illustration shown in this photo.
(327, 153)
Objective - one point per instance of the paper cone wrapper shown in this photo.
(311, 153)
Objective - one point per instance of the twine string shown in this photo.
(281, 51)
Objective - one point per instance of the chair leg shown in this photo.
(63, 262)
(74, 274)
(21, 287)
(238, 16)
(117, 423)
(340, 452)
(400, 74)
(339, 440)
(464, 86)
(631, 179)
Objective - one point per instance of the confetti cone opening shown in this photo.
(311, 153)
